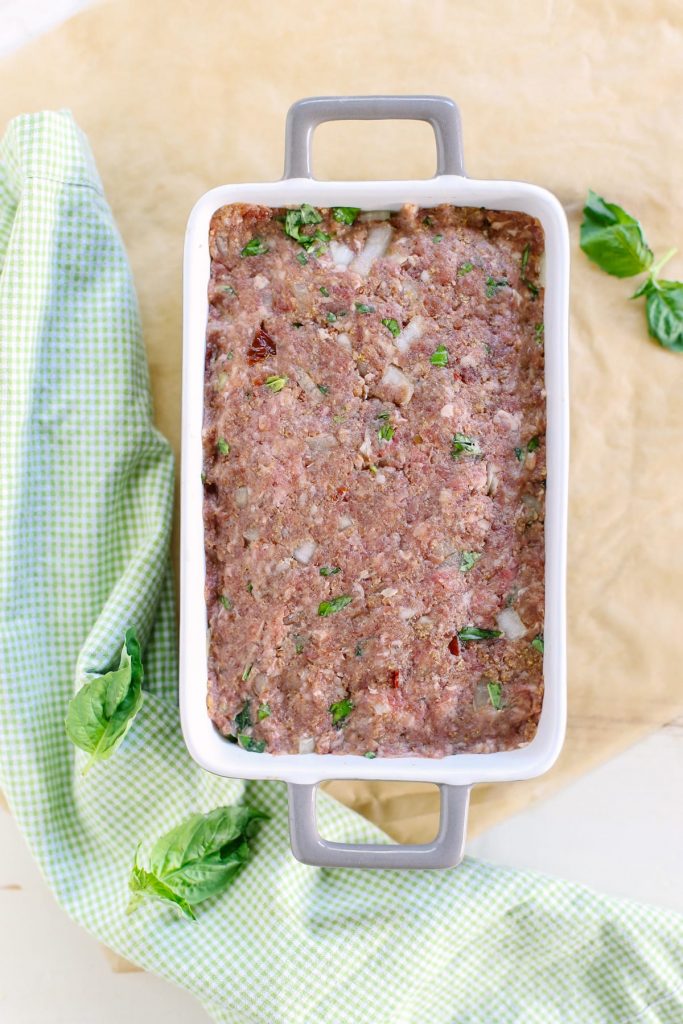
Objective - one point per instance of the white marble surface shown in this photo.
(618, 829)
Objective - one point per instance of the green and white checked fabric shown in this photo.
(85, 511)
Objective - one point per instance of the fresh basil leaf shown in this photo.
(464, 445)
(329, 571)
(243, 717)
(323, 389)
(295, 220)
(392, 326)
(469, 633)
(324, 291)
(492, 286)
(539, 331)
(302, 258)
(341, 710)
(222, 446)
(196, 859)
(437, 239)
(468, 559)
(249, 743)
(101, 713)
(665, 313)
(225, 601)
(275, 383)
(439, 356)
(345, 214)
(533, 444)
(326, 608)
(331, 317)
(613, 239)
(465, 268)
(362, 307)
(256, 247)
(370, 754)
(538, 643)
(386, 432)
(264, 711)
(495, 695)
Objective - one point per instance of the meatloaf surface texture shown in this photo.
(374, 479)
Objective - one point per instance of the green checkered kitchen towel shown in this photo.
(85, 510)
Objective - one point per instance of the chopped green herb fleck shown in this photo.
(538, 643)
(276, 384)
(386, 432)
(324, 291)
(359, 650)
(533, 444)
(539, 330)
(202, 477)
(228, 289)
(383, 415)
(495, 691)
(331, 318)
(525, 261)
(225, 601)
(469, 633)
(437, 239)
(230, 356)
(492, 285)
(370, 754)
(392, 326)
(464, 445)
(341, 710)
(295, 220)
(302, 258)
(329, 571)
(250, 744)
(440, 356)
(256, 247)
(263, 712)
(243, 717)
(335, 605)
(362, 307)
(520, 454)
(299, 644)
(339, 417)
(345, 214)
(468, 559)
(223, 446)
(465, 268)
(324, 389)
(373, 469)
(428, 221)
(246, 673)
(297, 323)
(250, 587)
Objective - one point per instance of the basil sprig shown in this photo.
(195, 860)
(613, 238)
(101, 713)
(615, 241)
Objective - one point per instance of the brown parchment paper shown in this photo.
(177, 97)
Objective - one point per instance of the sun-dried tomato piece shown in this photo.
(262, 347)
(394, 678)
(454, 646)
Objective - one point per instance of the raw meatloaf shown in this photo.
(374, 465)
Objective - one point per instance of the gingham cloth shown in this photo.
(85, 510)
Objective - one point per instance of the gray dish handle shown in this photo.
(443, 852)
(439, 111)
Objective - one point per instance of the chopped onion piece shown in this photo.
(308, 385)
(345, 341)
(407, 613)
(510, 623)
(491, 478)
(304, 551)
(345, 522)
(242, 497)
(321, 443)
(397, 384)
(366, 447)
(251, 534)
(409, 334)
(375, 215)
(341, 254)
(306, 744)
(376, 245)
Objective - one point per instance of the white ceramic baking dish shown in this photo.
(302, 772)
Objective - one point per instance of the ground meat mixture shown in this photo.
(374, 471)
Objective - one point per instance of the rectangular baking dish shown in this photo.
(303, 772)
